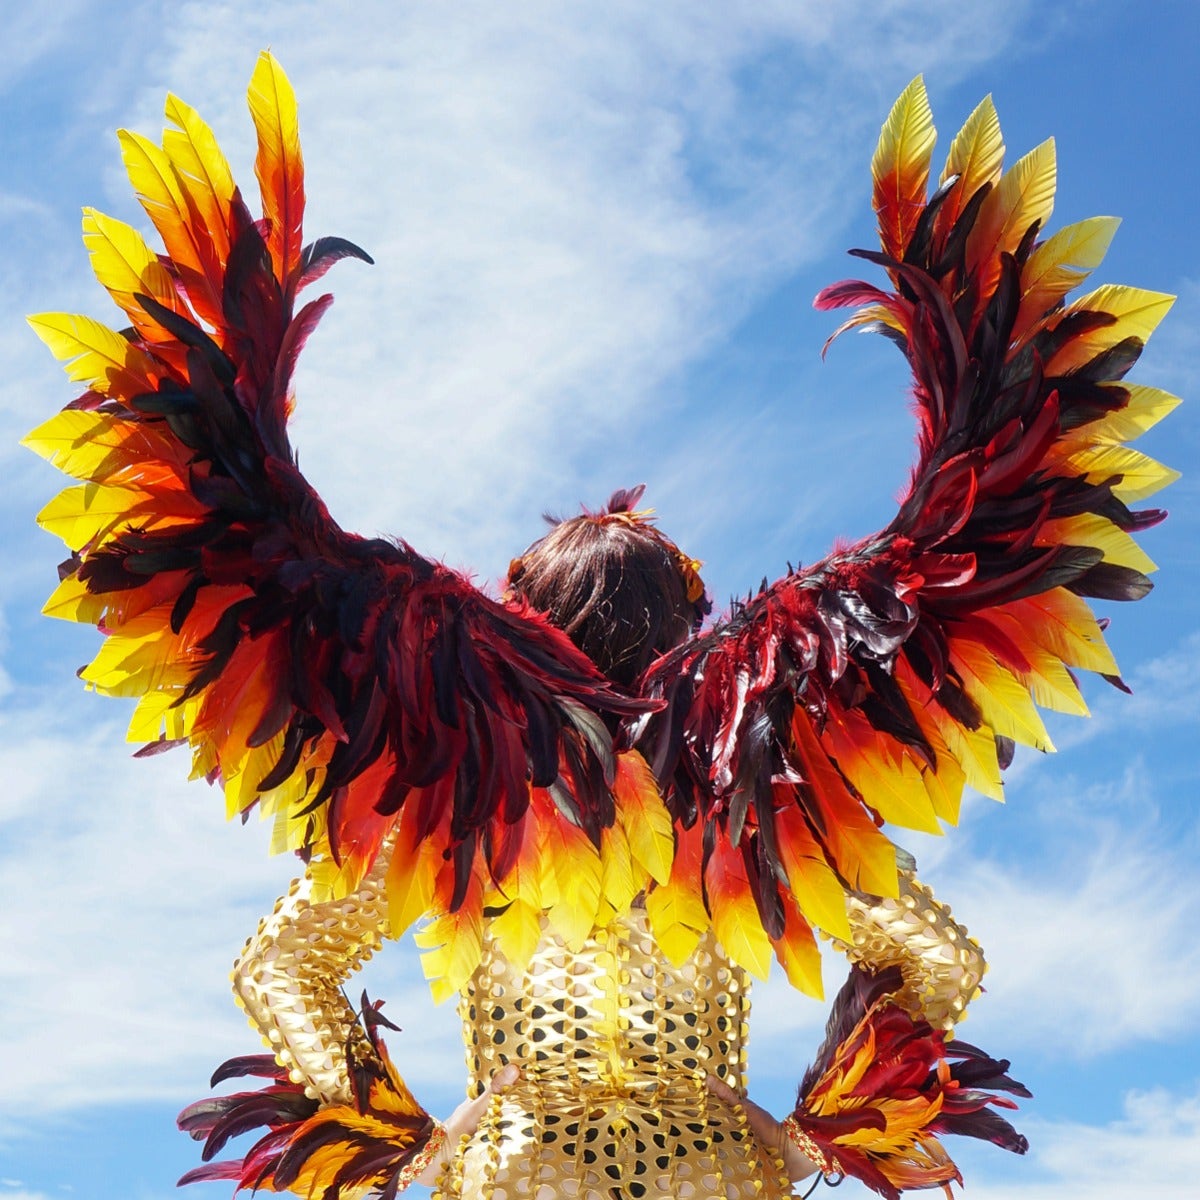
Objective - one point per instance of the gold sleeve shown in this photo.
(289, 979)
(941, 964)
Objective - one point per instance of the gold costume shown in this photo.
(614, 1044)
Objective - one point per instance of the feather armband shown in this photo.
(379, 1144)
(885, 1085)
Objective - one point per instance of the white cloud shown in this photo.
(1091, 950)
(1152, 1150)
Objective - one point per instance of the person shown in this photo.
(607, 813)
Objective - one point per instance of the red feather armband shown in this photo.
(885, 1085)
(380, 1143)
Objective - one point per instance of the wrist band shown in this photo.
(826, 1164)
(423, 1157)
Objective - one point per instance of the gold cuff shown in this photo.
(417, 1165)
(826, 1164)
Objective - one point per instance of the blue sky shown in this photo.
(598, 231)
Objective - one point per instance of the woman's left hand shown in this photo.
(465, 1120)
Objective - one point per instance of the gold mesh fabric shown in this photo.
(614, 1044)
(941, 964)
(288, 979)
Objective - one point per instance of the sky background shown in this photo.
(597, 232)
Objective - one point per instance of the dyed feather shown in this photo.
(884, 1086)
(339, 1152)
(349, 689)
(869, 689)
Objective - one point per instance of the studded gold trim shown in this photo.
(825, 1163)
(416, 1166)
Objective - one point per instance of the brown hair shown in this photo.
(621, 590)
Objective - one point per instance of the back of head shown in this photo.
(621, 590)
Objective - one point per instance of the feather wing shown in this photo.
(870, 688)
(331, 681)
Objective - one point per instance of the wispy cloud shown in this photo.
(1153, 1147)
(1106, 936)
(564, 209)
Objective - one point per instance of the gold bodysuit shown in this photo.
(614, 1045)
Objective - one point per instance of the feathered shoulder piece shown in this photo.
(871, 687)
(335, 682)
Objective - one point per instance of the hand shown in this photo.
(769, 1132)
(465, 1119)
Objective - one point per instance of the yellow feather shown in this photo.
(977, 152)
(742, 936)
(1051, 685)
(975, 752)
(154, 183)
(412, 875)
(578, 880)
(200, 168)
(94, 354)
(285, 799)
(1047, 679)
(943, 782)
(883, 772)
(71, 601)
(908, 135)
(82, 443)
(1063, 623)
(1137, 312)
(1075, 250)
(146, 724)
(453, 944)
(620, 881)
(1024, 195)
(78, 515)
(524, 881)
(1002, 699)
(1146, 407)
(242, 769)
(278, 165)
(125, 266)
(677, 918)
(204, 759)
(519, 930)
(821, 898)
(900, 165)
(272, 101)
(131, 666)
(1060, 264)
(643, 817)
(801, 962)
(1091, 529)
(1140, 475)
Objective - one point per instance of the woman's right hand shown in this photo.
(770, 1133)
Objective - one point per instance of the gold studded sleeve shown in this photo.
(340, 1120)
(289, 980)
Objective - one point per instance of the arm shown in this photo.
(289, 979)
(887, 1064)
